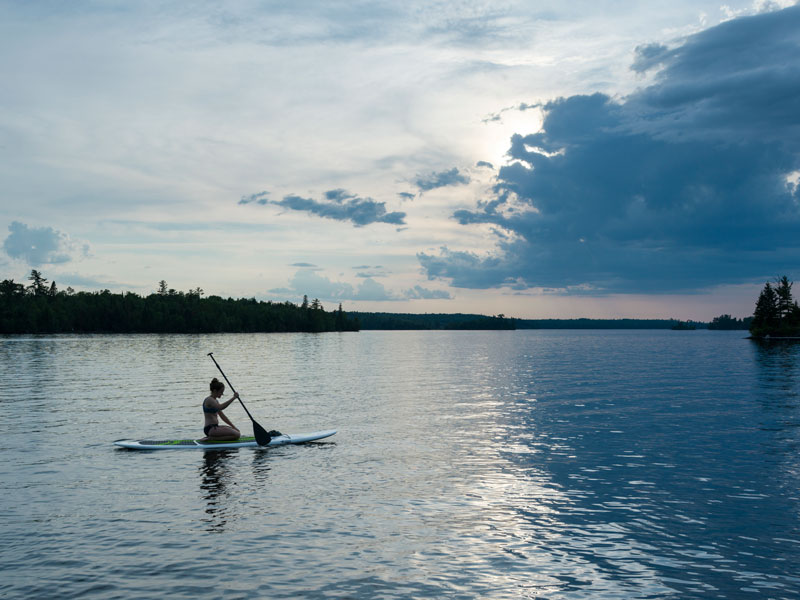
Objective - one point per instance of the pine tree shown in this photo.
(38, 283)
(783, 291)
(766, 315)
(340, 318)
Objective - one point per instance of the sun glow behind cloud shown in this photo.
(502, 126)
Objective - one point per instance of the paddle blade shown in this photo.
(261, 435)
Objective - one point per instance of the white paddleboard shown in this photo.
(243, 442)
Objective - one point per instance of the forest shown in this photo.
(41, 307)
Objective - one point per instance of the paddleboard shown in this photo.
(243, 442)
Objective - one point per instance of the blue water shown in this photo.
(527, 464)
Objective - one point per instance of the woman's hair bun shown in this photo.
(216, 384)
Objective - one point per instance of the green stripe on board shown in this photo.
(192, 442)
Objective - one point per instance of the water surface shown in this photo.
(546, 464)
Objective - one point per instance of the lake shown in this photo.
(497, 464)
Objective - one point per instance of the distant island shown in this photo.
(395, 321)
(400, 321)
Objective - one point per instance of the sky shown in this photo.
(539, 159)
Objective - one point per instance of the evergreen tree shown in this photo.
(38, 283)
(765, 316)
(162, 288)
(9, 288)
(339, 318)
(783, 292)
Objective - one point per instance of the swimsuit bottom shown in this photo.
(208, 428)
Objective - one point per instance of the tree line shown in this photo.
(728, 323)
(403, 321)
(777, 313)
(40, 307)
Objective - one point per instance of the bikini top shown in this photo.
(211, 411)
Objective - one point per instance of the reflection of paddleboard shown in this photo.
(243, 442)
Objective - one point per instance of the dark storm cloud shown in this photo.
(678, 187)
(341, 205)
(442, 179)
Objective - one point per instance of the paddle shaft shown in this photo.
(211, 354)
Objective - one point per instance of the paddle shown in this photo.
(262, 437)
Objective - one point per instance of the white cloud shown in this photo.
(42, 245)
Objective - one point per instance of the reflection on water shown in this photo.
(221, 488)
(214, 488)
(778, 364)
(779, 396)
(260, 466)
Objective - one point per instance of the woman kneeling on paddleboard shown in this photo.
(212, 408)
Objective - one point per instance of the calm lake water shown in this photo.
(527, 464)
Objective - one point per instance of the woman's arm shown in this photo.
(226, 419)
(226, 404)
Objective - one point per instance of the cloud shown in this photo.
(498, 116)
(42, 245)
(74, 279)
(649, 56)
(340, 205)
(338, 195)
(315, 285)
(484, 163)
(406, 195)
(442, 179)
(371, 274)
(421, 293)
(258, 198)
(681, 186)
(370, 290)
(318, 286)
